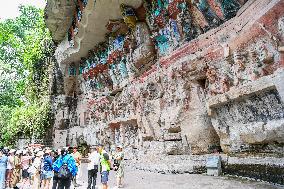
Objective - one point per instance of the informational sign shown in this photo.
(213, 162)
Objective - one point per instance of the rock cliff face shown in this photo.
(58, 16)
(174, 79)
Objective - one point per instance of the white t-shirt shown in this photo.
(95, 160)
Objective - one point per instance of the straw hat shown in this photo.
(48, 151)
(36, 150)
(40, 153)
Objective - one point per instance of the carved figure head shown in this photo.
(264, 55)
(281, 25)
(239, 59)
(211, 74)
(253, 54)
(225, 85)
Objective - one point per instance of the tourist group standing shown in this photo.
(43, 168)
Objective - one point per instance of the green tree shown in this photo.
(26, 49)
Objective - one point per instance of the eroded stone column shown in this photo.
(197, 125)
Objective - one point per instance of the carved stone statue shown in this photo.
(162, 40)
(229, 8)
(211, 75)
(189, 30)
(142, 34)
(239, 68)
(128, 15)
(256, 69)
(175, 33)
(131, 69)
(122, 68)
(113, 75)
(281, 25)
(211, 17)
(116, 71)
(224, 84)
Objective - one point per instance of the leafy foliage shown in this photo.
(26, 50)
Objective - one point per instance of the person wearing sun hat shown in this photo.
(17, 170)
(77, 156)
(47, 169)
(35, 169)
(119, 165)
(105, 165)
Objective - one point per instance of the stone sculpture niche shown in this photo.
(245, 65)
(255, 121)
(142, 53)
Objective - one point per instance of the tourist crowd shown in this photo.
(43, 168)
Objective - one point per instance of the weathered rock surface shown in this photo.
(214, 82)
(58, 17)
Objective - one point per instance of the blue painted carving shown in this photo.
(72, 70)
(81, 70)
(79, 13)
(118, 43)
(175, 30)
(122, 67)
(85, 2)
(93, 83)
(103, 57)
(210, 16)
(229, 8)
(88, 64)
(189, 30)
(112, 69)
(99, 84)
(162, 43)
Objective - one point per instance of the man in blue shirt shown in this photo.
(65, 158)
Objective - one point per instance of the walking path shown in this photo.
(146, 180)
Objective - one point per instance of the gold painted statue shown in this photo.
(128, 15)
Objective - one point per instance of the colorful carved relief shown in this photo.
(198, 19)
(129, 43)
(256, 65)
(246, 64)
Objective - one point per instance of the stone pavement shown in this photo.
(145, 180)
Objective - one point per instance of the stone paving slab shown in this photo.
(145, 180)
(136, 179)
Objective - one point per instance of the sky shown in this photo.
(9, 8)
